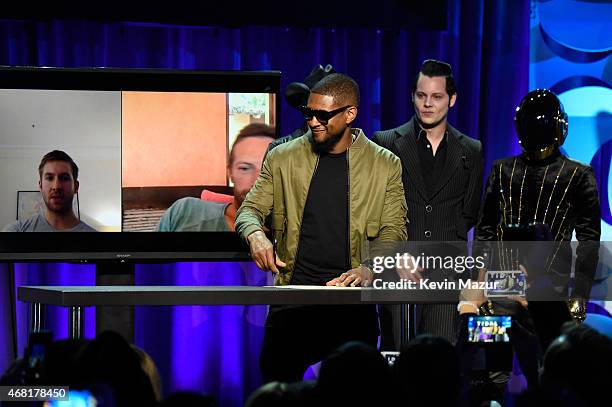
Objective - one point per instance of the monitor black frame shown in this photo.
(131, 247)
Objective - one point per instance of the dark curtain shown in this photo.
(215, 349)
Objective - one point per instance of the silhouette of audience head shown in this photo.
(61, 361)
(148, 366)
(428, 372)
(577, 367)
(110, 360)
(279, 394)
(355, 374)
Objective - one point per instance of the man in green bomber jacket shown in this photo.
(328, 192)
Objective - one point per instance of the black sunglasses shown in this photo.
(323, 116)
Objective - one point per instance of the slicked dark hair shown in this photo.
(431, 68)
(342, 88)
(58, 155)
(252, 130)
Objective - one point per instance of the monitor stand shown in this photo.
(118, 319)
(7, 279)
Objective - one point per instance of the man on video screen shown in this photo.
(58, 183)
(195, 215)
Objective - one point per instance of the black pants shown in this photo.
(437, 319)
(299, 336)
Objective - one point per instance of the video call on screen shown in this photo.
(137, 152)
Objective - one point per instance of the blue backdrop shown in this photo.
(215, 350)
(571, 50)
(570, 54)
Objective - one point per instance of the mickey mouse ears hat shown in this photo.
(297, 93)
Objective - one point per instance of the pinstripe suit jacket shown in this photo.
(452, 210)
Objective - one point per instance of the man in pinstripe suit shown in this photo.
(442, 176)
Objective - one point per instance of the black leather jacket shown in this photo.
(556, 192)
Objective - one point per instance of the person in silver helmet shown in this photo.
(547, 195)
(541, 124)
(533, 203)
(542, 195)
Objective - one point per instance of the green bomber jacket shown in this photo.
(376, 197)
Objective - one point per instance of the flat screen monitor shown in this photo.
(154, 175)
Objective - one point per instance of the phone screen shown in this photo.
(390, 357)
(485, 329)
(36, 353)
(77, 398)
(505, 284)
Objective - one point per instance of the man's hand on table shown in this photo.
(262, 252)
(360, 276)
(409, 270)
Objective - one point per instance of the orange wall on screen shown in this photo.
(173, 139)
